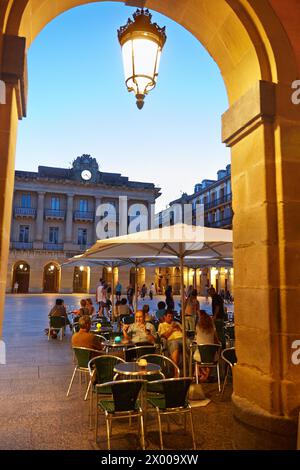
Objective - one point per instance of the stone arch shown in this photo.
(20, 277)
(81, 278)
(51, 277)
(256, 46)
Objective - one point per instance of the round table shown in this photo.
(133, 369)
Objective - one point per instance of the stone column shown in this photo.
(39, 231)
(263, 130)
(69, 219)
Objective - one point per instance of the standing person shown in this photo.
(130, 294)
(152, 291)
(143, 291)
(118, 291)
(16, 287)
(217, 304)
(169, 298)
(191, 309)
(99, 293)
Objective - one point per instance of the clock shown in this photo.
(86, 175)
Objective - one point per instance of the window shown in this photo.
(82, 236)
(24, 234)
(26, 200)
(53, 235)
(83, 205)
(55, 203)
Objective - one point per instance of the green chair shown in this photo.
(101, 370)
(124, 404)
(229, 357)
(135, 352)
(173, 401)
(83, 357)
(57, 324)
(168, 370)
(209, 357)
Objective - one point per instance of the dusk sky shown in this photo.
(78, 103)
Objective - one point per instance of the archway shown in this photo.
(141, 276)
(256, 45)
(21, 277)
(51, 278)
(81, 279)
(107, 273)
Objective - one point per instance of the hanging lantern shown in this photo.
(142, 43)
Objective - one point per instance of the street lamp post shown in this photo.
(141, 42)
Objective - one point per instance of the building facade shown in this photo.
(213, 201)
(55, 217)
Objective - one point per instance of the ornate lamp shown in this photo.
(142, 43)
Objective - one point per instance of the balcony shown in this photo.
(223, 223)
(218, 202)
(22, 245)
(24, 213)
(83, 216)
(54, 214)
(53, 246)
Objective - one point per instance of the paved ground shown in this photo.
(35, 412)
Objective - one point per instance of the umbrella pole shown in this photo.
(135, 290)
(182, 314)
(113, 294)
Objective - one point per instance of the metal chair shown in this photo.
(168, 370)
(57, 323)
(210, 357)
(124, 404)
(83, 357)
(229, 357)
(174, 400)
(132, 354)
(101, 370)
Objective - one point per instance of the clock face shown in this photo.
(86, 175)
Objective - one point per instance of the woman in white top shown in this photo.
(205, 334)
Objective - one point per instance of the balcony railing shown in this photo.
(28, 212)
(84, 216)
(218, 202)
(53, 246)
(219, 223)
(22, 245)
(54, 214)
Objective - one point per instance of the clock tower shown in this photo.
(85, 169)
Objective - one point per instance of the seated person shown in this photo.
(59, 310)
(160, 313)
(90, 306)
(171, 331)
(83, 310)
(85, 339)
(205, 334)
(140, 331)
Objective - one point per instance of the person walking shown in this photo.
(152, 291)
(118, 291)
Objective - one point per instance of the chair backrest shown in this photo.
(229, 356)
(209, 353)
(168, 367)
(125, 393)
(132, 354)
(220, 329)
(57, 322)
(84, 355)
(104, 366)
(128, 319)
(175, 391)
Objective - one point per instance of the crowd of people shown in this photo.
(162, 326)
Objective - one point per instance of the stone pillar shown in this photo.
(263, 131)
(69, 219)
(39, 231)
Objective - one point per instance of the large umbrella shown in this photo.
(184, 243)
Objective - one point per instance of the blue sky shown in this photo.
(78, 103)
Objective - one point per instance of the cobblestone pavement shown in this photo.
(35, 412)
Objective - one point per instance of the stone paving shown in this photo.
(35, 412)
